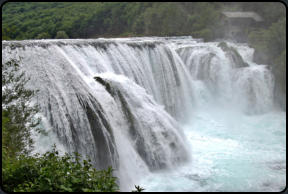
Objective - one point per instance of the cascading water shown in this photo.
(237, 136)
(170, 114)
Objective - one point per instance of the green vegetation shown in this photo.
(54, 173)
(269, 42)
(61, 35)
(23, 20)
(17, 113)
(26, 20)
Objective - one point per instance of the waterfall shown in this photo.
(124, 102)
(102, 122)
(226, 79)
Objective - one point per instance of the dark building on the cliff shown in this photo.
(236, 24)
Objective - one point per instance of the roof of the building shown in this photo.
(239, 14)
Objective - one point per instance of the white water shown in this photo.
(229, 136)
(230, 152)
(232, 149)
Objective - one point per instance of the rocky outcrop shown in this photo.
(233, 55)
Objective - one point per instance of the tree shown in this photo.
(17, 111)
(43, 35)
(61, 35)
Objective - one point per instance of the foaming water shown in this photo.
(237, 138)
(168, 113)
(230, 152)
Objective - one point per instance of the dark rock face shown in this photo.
(233, 55)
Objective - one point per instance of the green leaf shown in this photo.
(65, 188)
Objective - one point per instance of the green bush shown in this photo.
(61, 35)
(43, 35)
(53, 173)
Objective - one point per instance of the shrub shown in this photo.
(61, 35)
(43, 35)
(53, 173)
